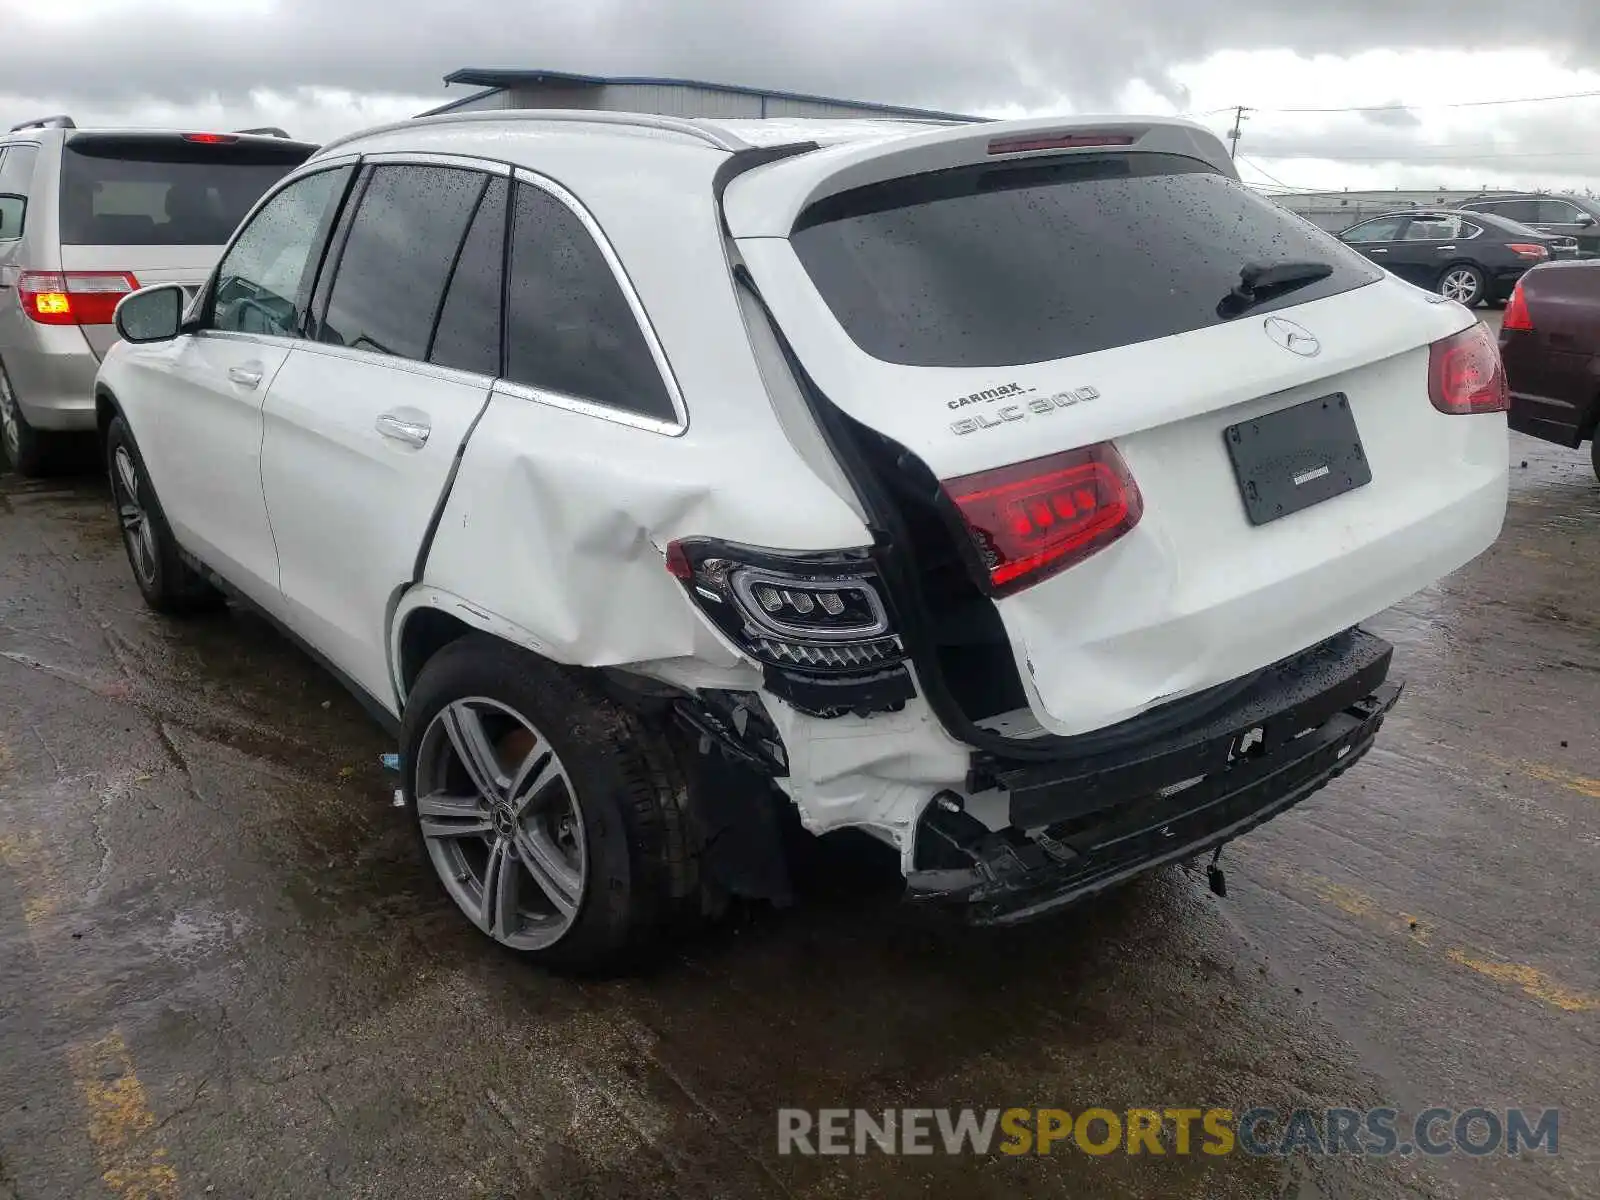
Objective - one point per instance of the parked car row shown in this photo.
(1470, 258)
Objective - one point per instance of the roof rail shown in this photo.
(721, 139)
(265, 131)
(60, 121)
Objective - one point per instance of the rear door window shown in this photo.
(396, 262)
(162, 190)
(569, 328)
(999, 265)
(1433, 229)
(468, 336)
(1516, 210)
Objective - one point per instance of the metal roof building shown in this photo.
(665, 97)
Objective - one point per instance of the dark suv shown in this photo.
(1571, 216)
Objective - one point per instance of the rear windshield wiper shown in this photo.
(1259, 282)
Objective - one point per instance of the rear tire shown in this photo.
(565, 839)
(1463, 283)
(167, 583)
(1594, 453)
(23, 446)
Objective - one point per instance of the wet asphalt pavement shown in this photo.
(224, 971)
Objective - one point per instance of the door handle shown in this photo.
(1445, 249)
(1377, 252)
(412, 433)
(245, 377)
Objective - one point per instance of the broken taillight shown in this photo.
(1029, 520)
(1465, 374)
(812, 612)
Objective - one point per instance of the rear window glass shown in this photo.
(989, 266)
(119, 190)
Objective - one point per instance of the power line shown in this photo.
(1405, 156)
(1396, 107)
(1260, 170)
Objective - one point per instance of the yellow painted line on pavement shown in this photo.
(121, 1127)
(1363, 907)
(1571, 780)
(1531, 980)
(133, 1163)
(1356, 904)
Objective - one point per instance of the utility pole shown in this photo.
(1237, 131)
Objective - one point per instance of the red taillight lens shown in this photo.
(1465, 374)
(1528, 249)
(73, 297)
(1058, 141)
(1032, 519)
(1516, 314)
(211, 139)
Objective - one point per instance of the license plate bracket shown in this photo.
(1289, 460)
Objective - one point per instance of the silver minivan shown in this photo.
(87, 216)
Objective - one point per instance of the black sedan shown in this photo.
(1469, 257)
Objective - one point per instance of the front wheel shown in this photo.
(1463, 283)
(167, 583)
(554, 819)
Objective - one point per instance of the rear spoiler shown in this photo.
(265, 131)
(59, 121)
(766, 202)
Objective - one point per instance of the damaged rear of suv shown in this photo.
(1013, 492)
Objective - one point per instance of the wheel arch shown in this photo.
(107, 408)
(427, 619)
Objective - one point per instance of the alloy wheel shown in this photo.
(1460, 285)
(10, 422)
(137, 530)
(501, 822)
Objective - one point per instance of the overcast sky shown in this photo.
(323, 67)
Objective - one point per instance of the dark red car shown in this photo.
(1550, 340)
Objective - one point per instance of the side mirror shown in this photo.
(152, 314)
(1585, 219)
(12, 208)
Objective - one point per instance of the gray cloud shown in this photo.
(942, 53)
(1395, 118)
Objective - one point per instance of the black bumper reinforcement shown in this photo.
(1097, 821)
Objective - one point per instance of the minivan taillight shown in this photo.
(73, 297)
(817, 613)
(1030, 520)
(1517, 315)
(1465, 374)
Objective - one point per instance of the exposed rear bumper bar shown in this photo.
(1103, 819)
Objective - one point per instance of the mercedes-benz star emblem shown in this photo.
(1295, 338)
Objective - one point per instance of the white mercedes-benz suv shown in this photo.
(1012, 491)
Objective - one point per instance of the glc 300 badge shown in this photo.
(1018, 412)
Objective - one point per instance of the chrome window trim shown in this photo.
(420, 158)
(587, 408)
(641, 318)
(398, 362)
